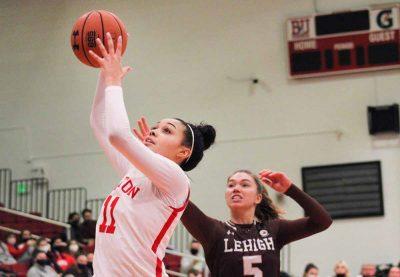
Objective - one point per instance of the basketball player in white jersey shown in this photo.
(139, 215)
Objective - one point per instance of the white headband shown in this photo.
(191, 149)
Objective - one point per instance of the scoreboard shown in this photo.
(344, 42)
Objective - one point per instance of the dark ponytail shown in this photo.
(266, 209)
(204, 137)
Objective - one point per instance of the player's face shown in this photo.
(166, 139)
(241, 192)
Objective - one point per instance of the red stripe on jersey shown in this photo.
(158, 268)
(164, 229)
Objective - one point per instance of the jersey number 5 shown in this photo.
(248, 269)
(104, 228)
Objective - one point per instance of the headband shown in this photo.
(191, 149)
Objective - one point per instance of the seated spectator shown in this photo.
(90, 262)
(24, 236)
(80, 269)
(43, 245)
(394, 272)
(41, 267)
(5, 255)
(311, 270)
(341, 269)
(74, 248)
(74, 220)
(88, 227)
(382, 270)
(60, 256)
(16, 252)
(190, 263)
(368, 270)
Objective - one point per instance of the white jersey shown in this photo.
(138, 217)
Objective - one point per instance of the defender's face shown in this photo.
(241, 191)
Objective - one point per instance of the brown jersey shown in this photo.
(253, 249)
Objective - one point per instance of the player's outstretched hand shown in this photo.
(276, 180)
(110, 63)
(144, 129)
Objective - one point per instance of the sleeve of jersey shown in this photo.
(97, 123)
(200, 226)
(317, 218)
(165, 174)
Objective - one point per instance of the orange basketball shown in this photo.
(92, 25)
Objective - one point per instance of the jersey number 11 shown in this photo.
(103, 227)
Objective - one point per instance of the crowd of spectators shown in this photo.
(367, 270)
(73, 257)
(58, 256)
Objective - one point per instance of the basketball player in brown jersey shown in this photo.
(249, 243)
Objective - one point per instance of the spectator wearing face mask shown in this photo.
(43, 245)
(88, 226)
(80, 269)
(41, 266)
(90, 262)
(367, 270)
(189, 263)
(311, 270)
(74, 220)
(341, 269)
(24, 237)
(60, 255)
(74, 248)
(15, 251)
(5, 255)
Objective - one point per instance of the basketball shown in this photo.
(92, 25)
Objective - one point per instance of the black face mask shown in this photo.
(43, 262)
(75, 223)
(82, 267)
(25, 240)
(194, 251)
(60, 248)
(340, 275)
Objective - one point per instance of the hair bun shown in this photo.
(208, 133)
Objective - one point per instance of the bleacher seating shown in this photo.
(37, 225)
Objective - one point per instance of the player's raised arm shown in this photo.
(97, 123)
(171, 143)
(317, 218)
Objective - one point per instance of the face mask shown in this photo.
(82, 267)
(59, 248)
(44, 248)
(341, 275)
(43, 262)
(25, 240)
(194, 251)
(73, 248)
